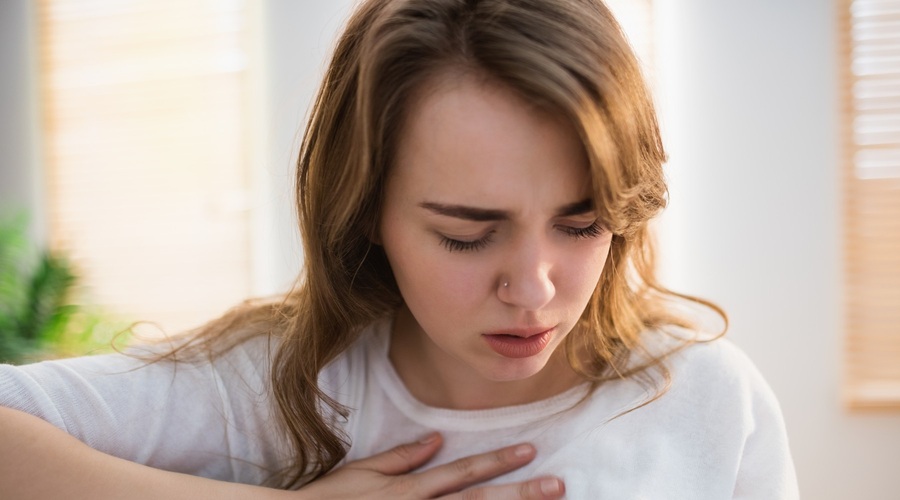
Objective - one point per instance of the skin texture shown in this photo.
(472, 143)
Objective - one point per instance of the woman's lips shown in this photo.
(518, 343)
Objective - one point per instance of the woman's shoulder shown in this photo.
(717, 364)
(711, 377)
(349, 370)
(718, 396)
(707, 421)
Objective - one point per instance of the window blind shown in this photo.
(146, 148)
(870, 40)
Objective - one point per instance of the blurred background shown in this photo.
(147, 149)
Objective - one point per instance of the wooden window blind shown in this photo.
(146, 150)
(870, 42)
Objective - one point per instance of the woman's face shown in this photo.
(489, 229)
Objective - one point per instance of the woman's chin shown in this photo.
(513, 370)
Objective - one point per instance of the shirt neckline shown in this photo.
(451, 419)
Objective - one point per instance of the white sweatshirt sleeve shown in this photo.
(207, 419)
(731, 417)
(766, 467)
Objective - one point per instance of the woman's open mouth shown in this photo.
(518, 346)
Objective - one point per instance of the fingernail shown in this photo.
(551, 486)
(428, 439)
(523, 450)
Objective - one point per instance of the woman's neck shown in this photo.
(438, 380)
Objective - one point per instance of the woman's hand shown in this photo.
(387, 475)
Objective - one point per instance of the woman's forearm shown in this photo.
(37, 460)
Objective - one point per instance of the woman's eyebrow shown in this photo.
(466, 213)
(488, 214)
(578, 208)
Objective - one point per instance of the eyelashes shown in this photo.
(466, 246)
(592, 231)
(584, 232)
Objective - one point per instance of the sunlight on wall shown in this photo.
(147, 153)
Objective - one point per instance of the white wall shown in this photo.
(298, 40)
(749, 98)
(20, 180)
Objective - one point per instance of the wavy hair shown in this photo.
(569, 57)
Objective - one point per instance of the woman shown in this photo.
(474, 189)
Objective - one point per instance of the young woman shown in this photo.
(478, 315)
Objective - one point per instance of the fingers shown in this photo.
(545, 488)
(467, 471)
(403, 458)
(454, 477)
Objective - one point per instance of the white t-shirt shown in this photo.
(717, 433)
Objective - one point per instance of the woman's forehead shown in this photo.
(478, 140)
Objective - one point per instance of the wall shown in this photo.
(298, 40)
(749, 98)
(20, 179)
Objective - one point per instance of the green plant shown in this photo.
(37, 317)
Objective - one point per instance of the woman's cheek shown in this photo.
(462, 281)
(582, 272)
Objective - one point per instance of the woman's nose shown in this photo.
(526, 281)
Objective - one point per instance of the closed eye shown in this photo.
(466, 245)
(591, 231)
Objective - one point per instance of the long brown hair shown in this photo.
(568, 56)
